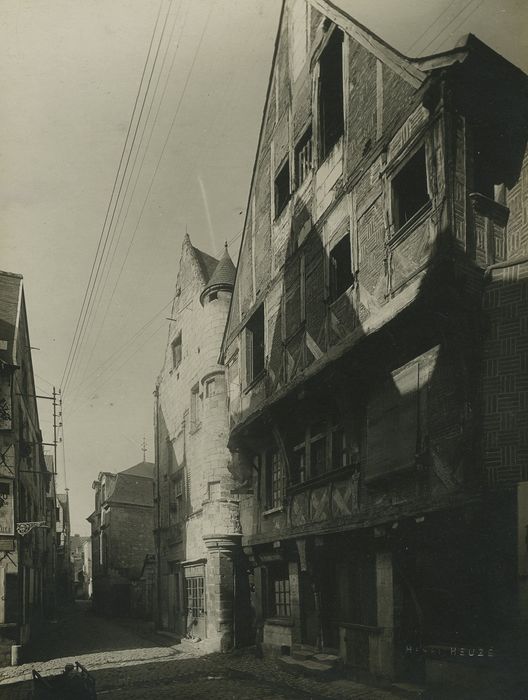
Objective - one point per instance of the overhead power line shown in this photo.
(453, 20)
(100, 369)
(91, 279)
(138, 173)
(430, 26)
(82, 332)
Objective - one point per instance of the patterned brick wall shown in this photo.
(505, 375)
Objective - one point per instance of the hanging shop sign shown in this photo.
(7, 507)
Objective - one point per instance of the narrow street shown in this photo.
(128, 661)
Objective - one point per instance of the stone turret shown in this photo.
(197, 514)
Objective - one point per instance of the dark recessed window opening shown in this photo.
(213, 296)
(303, 157)
(176, 347)
(255, 345)
(341, 276)
(409, 189)
(483, 175)
(282, 187)
(331, 120)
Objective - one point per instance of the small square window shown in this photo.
(409, 188)
(176, 347)
(303, 157)
(282, 188)
(341, 276)
(213, 490)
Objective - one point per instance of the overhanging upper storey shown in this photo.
(379, 183)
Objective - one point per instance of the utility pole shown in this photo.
(55, 404)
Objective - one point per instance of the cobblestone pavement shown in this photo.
(129, 661)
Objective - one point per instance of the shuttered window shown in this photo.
(396, 416)
(393, 423)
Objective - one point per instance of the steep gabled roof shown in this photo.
(10, 309)
(207, 263)
(140, 469)
(131, 489)
(339, 12)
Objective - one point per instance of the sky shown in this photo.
(70, 75)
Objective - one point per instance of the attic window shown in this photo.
(341, 276)
(409, 188)
(176, 347)
(331, 118)
(282, 188)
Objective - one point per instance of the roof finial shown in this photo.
(225, 245)
(144, 448)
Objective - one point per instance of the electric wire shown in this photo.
(131, 198)
(112, 193)
(430, 26)
(82, 331)
(145, 151)
(118, 351)
(463, 10)
(178, 107)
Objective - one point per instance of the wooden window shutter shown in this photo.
(392, 431)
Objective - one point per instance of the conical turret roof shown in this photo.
(223, 278)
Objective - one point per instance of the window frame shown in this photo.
(177, 345)
(281, 201)
(395, 197)
(305, 142)
(207, 388)
(177, 501)
(196, 408)
(335, 291)
(327, 84)
(274, 480)
(254, 371)
(278, 594)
